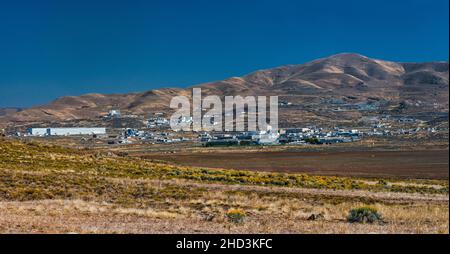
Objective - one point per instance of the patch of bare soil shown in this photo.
(386, 164)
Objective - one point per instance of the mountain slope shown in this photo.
(348, 78)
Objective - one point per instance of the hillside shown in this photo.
(314, 90)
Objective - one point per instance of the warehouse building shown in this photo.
(65, 131)
(37, 131)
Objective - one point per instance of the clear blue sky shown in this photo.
(54, 48)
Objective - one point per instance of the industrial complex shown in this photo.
(65, 131)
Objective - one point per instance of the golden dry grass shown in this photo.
(54, 190)
(208, 216)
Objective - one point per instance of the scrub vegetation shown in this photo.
(45, 188)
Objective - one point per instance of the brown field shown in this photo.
(387, 164)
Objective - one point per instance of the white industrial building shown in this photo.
(65, 131)
(37, 131)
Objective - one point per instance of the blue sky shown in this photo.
(54, 48)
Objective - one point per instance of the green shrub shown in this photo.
(236, 216)
(364, 215)
(383, 182)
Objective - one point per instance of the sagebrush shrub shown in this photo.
(236, 216)
(364, 215)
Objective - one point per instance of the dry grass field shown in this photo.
(49, 189)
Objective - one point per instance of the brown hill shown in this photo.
(8, 111)
(313, 90)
